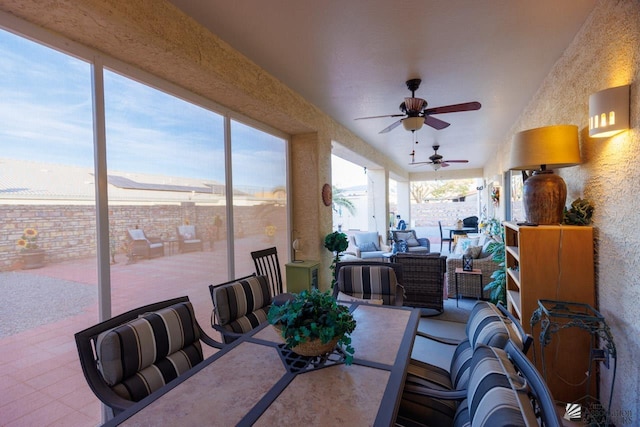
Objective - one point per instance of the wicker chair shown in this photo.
(423, 280)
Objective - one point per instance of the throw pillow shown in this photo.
(473, 251)
(403, 236)
(349, 298)
(412, 242)
(368, 247)
(465, 243)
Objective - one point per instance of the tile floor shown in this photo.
(42, 382)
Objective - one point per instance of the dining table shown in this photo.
(257, 380)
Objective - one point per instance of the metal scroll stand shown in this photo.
(557, 315)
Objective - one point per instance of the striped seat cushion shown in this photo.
(142, 355)
(497, 395)
(368, 282)
(486, 325)
(241, 306)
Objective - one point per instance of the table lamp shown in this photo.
(545, 193)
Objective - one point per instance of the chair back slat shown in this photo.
(267, 264)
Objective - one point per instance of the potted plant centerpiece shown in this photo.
(32, 256)
(313, 323)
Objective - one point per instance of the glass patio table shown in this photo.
(257, 381)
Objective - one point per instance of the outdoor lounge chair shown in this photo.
(188, 240)
(128, 357)
(143, 246)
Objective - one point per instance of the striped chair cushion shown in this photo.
(497, 395)
(142, 355)
(368, 282)
(486, 325)
(242, 305)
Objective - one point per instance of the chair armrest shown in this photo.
(438, 394)
(208, 340)
(443, 340)
(385, 248)
(154, 239)
(423, 241)
(399, 295)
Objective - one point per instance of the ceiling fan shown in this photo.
(416, 112)
(435, 159)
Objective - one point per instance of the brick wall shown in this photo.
(68, 232)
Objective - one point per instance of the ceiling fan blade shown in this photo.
(380, 117)
(456, 161)
(391, 126)
(435, 123)
(466, 106)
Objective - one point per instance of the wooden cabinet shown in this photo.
(553, 262)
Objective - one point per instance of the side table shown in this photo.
(170, 243)
(474, 272)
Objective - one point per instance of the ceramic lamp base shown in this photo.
(544, 196)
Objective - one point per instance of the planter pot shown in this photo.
(315, 347)
(32, 259)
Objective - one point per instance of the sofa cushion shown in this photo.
(137, 234)
(140, 356)
(368, 247)
(473, 251)
(361, 238)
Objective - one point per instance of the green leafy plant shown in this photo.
(336, 242)
(580, 213)
(498, 286)
(314, 315)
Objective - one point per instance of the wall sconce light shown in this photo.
(609, 112)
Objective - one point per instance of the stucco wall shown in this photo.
(605, 53)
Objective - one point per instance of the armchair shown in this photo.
(414, 244)
(143, 246)
(367, 245)
(467, 285)
(188, 240)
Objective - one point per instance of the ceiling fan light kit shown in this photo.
(413, 123)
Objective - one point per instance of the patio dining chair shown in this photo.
(444, 238)
(369, 281)
(267, 264)
(132, 355)
(488, 324)
(239, 306)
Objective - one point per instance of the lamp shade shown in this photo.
(413, 123)
(552, 146)
(609, 112)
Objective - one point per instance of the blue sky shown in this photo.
(46, 115)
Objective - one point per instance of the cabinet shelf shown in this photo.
(553, 262)
(513, 297)
(513, 250)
